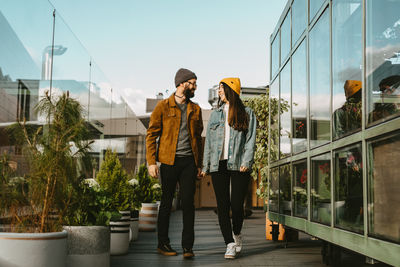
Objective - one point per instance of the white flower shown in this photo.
(156, 186)
(133, 182)
(91, 182)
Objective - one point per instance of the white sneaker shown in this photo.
(230, 251)
(239, 242)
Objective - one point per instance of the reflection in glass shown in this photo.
(299, 99)
(349, 188)
(320, 82)
(274, 129)
(382, 59)
(384, 188)
(315, 5)
(274, 190)
(285, 38)
(285, 192)
(321, 189)
(300, 189)
(275, 62)
(285, 120)
(346, 56)
(299, 19)
(22, 41)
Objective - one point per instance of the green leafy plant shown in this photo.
(262, 110)
(148, 189)
(54, 151)
(113, 179)
(93, 206)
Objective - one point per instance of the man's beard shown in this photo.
(188, 94)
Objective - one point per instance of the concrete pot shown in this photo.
(33, 249)
(119, 242)
(88, 246)
(134, 231)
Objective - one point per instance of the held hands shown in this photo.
(153, 171)
(243, 169)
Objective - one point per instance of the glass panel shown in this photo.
(275, 55)
(384, 188)
(300, 188)
(285, 120)
(285, 38)
(299, 19)
(100, 112)
(274, 96)
(26, 34)
(285, 194)
(321, 189)
(347, 60)
(315, 5)
(71, 65)
(320, 82)
(299, 99)
(349, 188)
(274, 190)
(383, 59)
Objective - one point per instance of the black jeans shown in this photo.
(234, 200)
(183, 171)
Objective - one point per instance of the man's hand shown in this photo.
(153, 171)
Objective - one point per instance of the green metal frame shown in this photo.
(381, 250)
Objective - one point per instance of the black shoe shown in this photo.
(188, 253)
(166, 250)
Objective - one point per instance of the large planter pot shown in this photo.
(88, 246)
(33, 249)
(119, 241)
(148, 217)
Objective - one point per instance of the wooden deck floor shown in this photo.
(210, 248)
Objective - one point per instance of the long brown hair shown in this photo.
(238, 118)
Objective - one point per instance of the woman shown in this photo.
(228, 157)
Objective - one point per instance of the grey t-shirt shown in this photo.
(183, 147)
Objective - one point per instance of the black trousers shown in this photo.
(230, 200)
(184, 172)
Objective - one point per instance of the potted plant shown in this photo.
(88, 220)
(53, 151)
(134, 207)
(113, 179)
(147, 193)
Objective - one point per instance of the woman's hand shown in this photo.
(243, 169)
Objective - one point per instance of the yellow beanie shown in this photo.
(351, 87)
(233, 83)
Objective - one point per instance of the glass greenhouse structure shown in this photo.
(334, 160)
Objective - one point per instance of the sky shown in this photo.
(139, 45)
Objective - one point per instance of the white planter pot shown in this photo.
(88, 246)
(33, 249)
(119, 241)
(148, 217)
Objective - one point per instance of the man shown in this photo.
(178, 124)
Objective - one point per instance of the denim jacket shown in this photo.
(241, 144)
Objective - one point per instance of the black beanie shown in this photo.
(183, 75)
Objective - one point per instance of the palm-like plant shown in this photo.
(54, 151)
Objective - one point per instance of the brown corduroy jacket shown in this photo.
(165, 123)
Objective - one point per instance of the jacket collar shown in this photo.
(172, 103)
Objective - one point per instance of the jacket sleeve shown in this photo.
(153, 132)
(200, 139)
(250, 144)
(207, 146)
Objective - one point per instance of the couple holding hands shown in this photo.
(174, 139)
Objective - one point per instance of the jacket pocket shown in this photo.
(214, 125)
